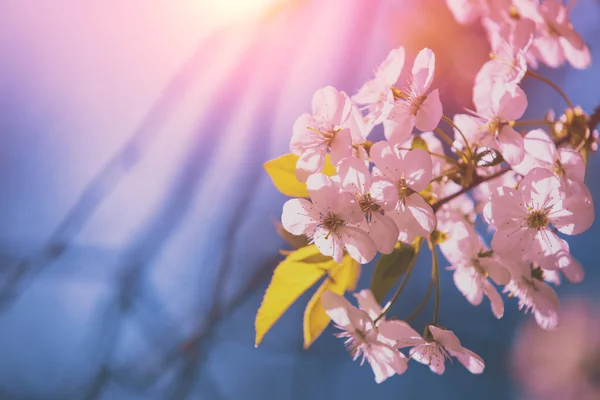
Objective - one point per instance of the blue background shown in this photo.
(136, 235)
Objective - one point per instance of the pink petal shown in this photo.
(506, 204)
(328, 105)
(578, 58)
(427, 356)
(341, 147)
(540, 151)
(472, 362)
(354, 175)
(367, 303)
(511, 101)
(358, 244)
(549, 51)
(329, 244)
(418, 169)
(512, 241)
(384, 232)
(430, 112)
(390, 69)
(540, 188)
(302, 137)
(323, 193)
(465, 11)
(469, 285)
(422, 214)
(573, 163)
(399, 124)
(497, 273)
(447, 339)
(337, 307)
(386, 361)
(423, 70)
(511, 145)
(353, 121)
(299, 217)
(495, 299)
(310, 162)
(385, 193)
(401, 332)
(546, 306)
(577, 215)
(469, 126)
(386, 160)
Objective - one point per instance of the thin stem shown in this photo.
(411, 266)
(552, 85)
(477, 181)
(424, 301)
(445, 157)
(445, 136)
(436, 271)
(464, 138)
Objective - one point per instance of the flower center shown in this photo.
(367, 204)
(332, 222)
(477, 267)
(559, 169)
(537, 219)
(327, 135)
(403, 190)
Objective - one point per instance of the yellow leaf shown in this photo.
(282, 171)
(292, 277)
(340, 278)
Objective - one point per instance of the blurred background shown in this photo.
(136, 221)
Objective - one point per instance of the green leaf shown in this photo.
(419, 143)
(390, 268)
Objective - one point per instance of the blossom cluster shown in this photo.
(526, 185)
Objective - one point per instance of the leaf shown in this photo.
(282, 171)
(341, 278)
(390, 268)
(292, 277)
(419, 143)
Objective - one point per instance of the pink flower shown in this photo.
(523, 217)
(464, 249)
(533, 293)
(556, 40)
(377, 94)
(433, 350)
(540, 151)
(510, 43)
(362, 336)
(370, 195)
(497, 104)
(460, 209)
(410, 173)
(415, 105)
(329, 221)
(467, 11)
(335, 124)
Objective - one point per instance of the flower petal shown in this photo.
(367, 303)
(310, 162)
(417, 169)
(299, 217)
(354, 175)
(383, 231)
(341, 146)
(511, 145)
(386, 160)
(430, 112)
(495, 299)
(401, 332)
(358, 243)
(423, 70)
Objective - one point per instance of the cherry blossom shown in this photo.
(410, 173)
(556, 40)
(433, 350)
(335, 125)
(523, 217)
(540, 151)
(527, 284)
(415, 105)
(329, 221)
(465, 250)
(370, 195)
(497, 104)
(362, 336)
(377, 94)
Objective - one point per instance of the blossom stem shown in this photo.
(553, 86)
(424, 301)
(409, 270)
(445, 157)
(435, 267)
(464, 138)
(478, 180)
